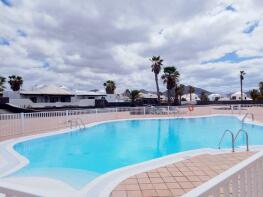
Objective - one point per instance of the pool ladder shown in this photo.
(234, 138)
(246, 115)
(78, 123)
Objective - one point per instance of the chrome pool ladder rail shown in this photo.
(78, 123)
(246, 115)
(232, 139)
(246, 133)
(81, 122)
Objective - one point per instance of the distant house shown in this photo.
(187, 97)
(47, 94)
(214, 97)
(218, 97)
(87, 98)
(148, 98)
(237, 96)
(52, 96)
(151, 98)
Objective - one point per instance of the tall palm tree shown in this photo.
(134, 95)
(157, 63)
(191, 91)
(2, 82)
(254, 94)
(242, 74)
(110, 87)
(170, 78)
(180, 92)
(261, 88)
(15, 82)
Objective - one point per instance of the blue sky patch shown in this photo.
(21, 33)
(45, 64)
(4, 41)
(251, 26)
(232, 57)
(230, 8)
(6, 2)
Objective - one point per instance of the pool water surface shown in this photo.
(79, 157)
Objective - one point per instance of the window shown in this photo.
(33, 99)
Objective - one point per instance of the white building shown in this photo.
(194, 97)
(52, 96)
(214, 97)
(237, 96)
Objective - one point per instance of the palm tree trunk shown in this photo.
(169, 96)
(176, 102)
(157, 88)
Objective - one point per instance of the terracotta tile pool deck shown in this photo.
(178, 178)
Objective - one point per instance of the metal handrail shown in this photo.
(232, 136)
(78, 122)
(81, 122)
(244, 131)
(252, 116)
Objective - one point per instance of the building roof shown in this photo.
(148, 95)
(89, 93)
(47, 90)
(238, 94)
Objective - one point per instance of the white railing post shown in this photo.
(22, 122)
(168, 109)
(144, 110)
(67, 118)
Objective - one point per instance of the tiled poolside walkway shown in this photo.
(178, 178)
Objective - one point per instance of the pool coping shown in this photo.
(102, 184)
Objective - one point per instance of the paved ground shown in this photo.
(178, 178)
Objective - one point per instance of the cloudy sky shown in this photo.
(82, 43)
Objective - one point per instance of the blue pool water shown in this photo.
(78, 157)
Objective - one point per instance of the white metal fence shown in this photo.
(22, 123)
(243, 180)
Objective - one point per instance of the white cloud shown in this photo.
(86, 42)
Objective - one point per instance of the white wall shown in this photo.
(11, 94)
(27, 103)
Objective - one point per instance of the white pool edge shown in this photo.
(102, 184)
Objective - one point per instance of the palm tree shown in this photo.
(242, 74)
(254, 94)
(261, 88)
(134, 95)
(2, 82)
(157, 63)
(204, 97)
(15, 82)
(170, 78)
(191, 90)
(180, 92)
(109, 87)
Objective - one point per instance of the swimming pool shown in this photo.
(79, 157)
